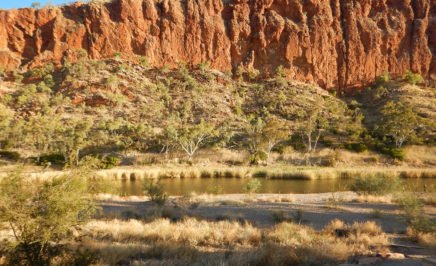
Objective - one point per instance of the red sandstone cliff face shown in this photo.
(334, 43)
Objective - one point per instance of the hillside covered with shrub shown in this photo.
(105, 109)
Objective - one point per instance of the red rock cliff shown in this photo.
(334, 43)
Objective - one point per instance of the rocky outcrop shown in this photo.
(333, 43)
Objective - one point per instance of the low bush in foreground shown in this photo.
(421, 228)
(40, 215)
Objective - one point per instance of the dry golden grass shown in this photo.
(189, 231)
(425, 239)
(359, 238)
(373, 199)
(193, 242)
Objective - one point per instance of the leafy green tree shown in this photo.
(76, 135)
(315, 124)
(399, 121)
(40, 215)
(274, 132)
(191, 137)
(41, 131)
(262, 136)
(253, 130)
(6, 116)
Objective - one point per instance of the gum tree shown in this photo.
(399, 122)
(191, 137)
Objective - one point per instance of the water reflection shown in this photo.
(234, 185)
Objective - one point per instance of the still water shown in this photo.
(186, 186)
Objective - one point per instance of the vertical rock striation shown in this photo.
(333, 43)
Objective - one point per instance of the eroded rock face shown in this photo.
(333, 43)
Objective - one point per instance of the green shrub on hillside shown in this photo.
(385, 78)
(356, 147)
(110, 161)
(412, 78)
(52, 159)
(394, 153)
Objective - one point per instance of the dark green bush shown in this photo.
(9, 155)
(257, 157)
(356, 147)
(395, 153)
(377, 184)
(412, 78)
(52, 159)
(110, 161)
(101, 161)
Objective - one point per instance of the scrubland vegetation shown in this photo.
(56, 222)
(45, 223)
(111, 112)
(196, 122)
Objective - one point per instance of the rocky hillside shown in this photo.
(335, 44)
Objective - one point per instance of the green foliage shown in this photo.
(112, 81)
(414, 210)
(379, 92)
(110, 161)
(40, 72)
(399, 122)
(155, 191)
(377, 184)
(239, 73)
(81, 54)
(18, 78)
(395, 153)
(257, 157)
(385, 78)
(42, 214)
(75, 135)
(262, 136)
(356, 147)
(315, 124)
(9, 155)
(280, 72)
(253, 185)
(100, 162)
(412, 78)
(190, 137)
(204, 68)
(143, 61)
(117, 55)
(52, 159)
(6, 117)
